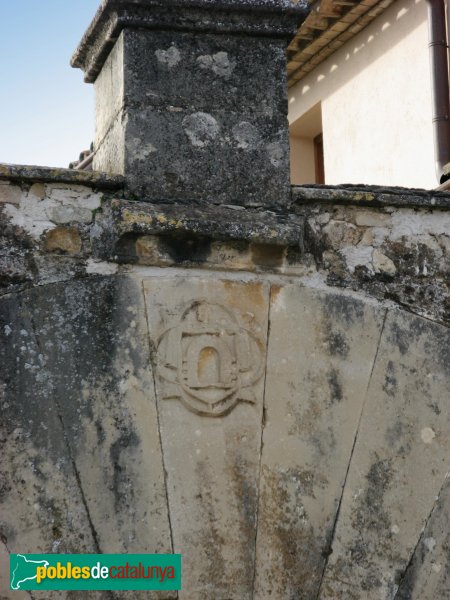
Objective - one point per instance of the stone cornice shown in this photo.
(32, 174)
(273, 18)
(369, 195)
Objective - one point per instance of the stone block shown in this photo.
(341, 233)
(208, 72)
(110, 150)
(10, 194)
(36, 208)
(41, 504)
(427, 576)
(38, 190)
(223, 148)
(229, 255)
(63, 239)
(399, 462)
(320, 354)
(70, 214)
(208, 339)
(382, 263)
(109, 92)
(80, 424)
(371, 218)
(73, 195)
(148, 251)
(34, 224)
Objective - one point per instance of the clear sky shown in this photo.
(46, 110)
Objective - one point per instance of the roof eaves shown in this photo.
(329, 25)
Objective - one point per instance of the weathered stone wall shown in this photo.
(389, 244)
(264, 391)
(393, 244)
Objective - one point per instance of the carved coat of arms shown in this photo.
(208, 360)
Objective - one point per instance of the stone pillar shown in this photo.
(191, 97)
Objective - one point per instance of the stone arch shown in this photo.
(354, 437)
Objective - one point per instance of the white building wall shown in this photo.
(302, 159)
(375, 94)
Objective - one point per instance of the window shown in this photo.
(307, 155)
(318, 159)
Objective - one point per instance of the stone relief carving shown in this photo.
(208, 360)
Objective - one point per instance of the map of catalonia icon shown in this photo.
(23, 571)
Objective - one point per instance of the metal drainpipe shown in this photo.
(439, 84)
